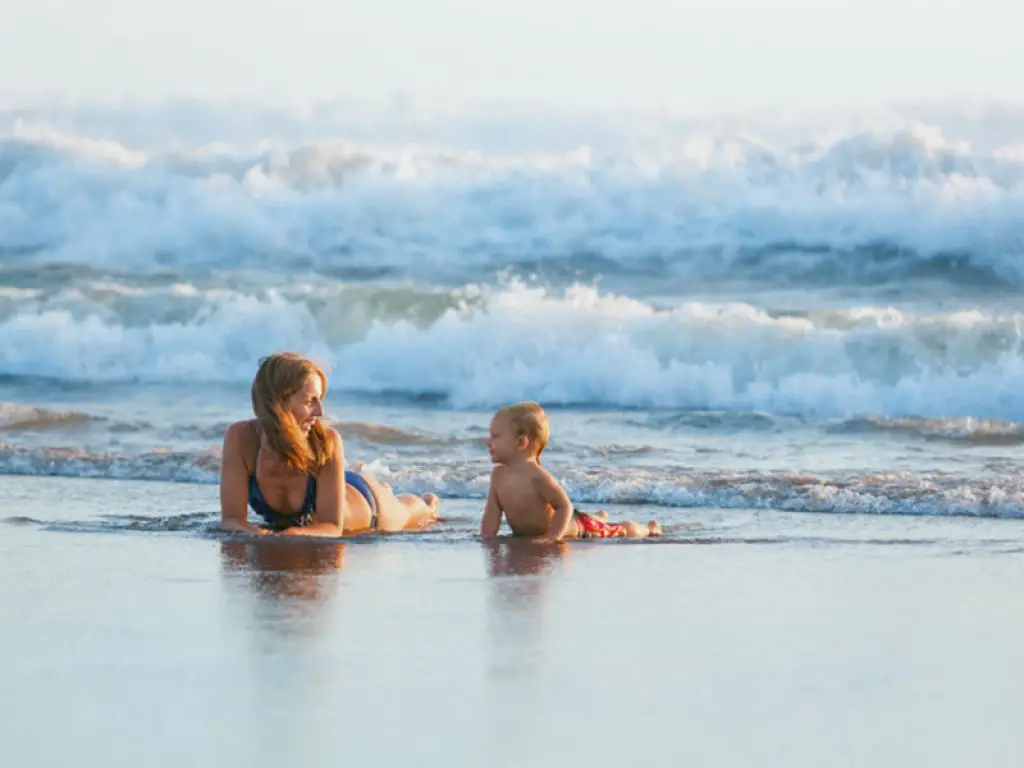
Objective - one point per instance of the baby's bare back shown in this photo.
(525, 509)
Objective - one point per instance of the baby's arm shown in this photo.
(491, 521)
(555, 495)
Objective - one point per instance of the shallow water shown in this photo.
(744, 638)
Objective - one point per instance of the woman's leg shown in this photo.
(421, 510)
(358, 513)
(406, 512)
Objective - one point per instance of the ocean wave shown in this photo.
(170, 466)
(866, 206)
(581, 346)
(965, 430)
(998, 495)
(25, 418)
(385, 435)
(14, 416)
(720, 421)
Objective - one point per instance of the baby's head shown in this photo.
(518, 430)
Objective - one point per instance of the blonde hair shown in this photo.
(529, 420)
(279, 377)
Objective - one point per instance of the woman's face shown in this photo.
(306, 405)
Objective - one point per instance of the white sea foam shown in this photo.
(866, 202)
(481, 346)
(194, 257)
(902, 493)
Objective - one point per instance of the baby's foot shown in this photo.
(601, 515)
(654, 528)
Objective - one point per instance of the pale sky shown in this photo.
(710, 54)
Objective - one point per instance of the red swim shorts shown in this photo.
(590, 527)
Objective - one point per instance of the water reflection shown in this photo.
(522, 574)
(513, 556)
(520, 571)
(284, 613)
(292, 578)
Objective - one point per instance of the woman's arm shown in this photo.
(329, 518)
(234, 484)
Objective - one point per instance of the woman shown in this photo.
(290, 468)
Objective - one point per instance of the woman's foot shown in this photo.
(431, 500)
(654, 528)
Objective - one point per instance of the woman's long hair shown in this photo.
(279, 377)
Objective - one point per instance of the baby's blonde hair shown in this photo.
(530, 420)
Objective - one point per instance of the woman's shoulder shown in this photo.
(330, 453)
(240, 433)
(332, 437)
(243, 425)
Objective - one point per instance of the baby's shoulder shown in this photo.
(499, 473)
(537, 473)
(526, 476)
(503, 474)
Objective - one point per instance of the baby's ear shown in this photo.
(523, 442)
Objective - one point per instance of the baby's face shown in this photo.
(502, 440)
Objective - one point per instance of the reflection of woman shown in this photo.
(290, 468)
(283, 569)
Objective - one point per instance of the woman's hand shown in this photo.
(322, 530)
